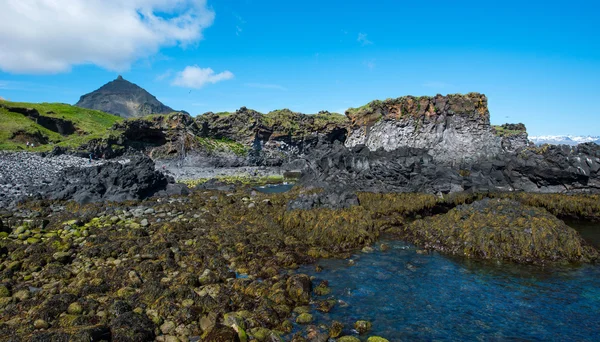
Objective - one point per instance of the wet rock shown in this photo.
(75, 309)
(62, 257)
(322, 289)
(167, 327)
(336, 329)
(331, 200)
(362, 326)
(4, 291)
(41, 324)
(504, 230)
(316, 334)
(54, 306)
(304, 318)
(299, 288)
(22, 295)
(348, 339)
(119, 307)
(131, 327)
(376, 339)
(222, 333)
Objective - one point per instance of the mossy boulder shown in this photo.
(304, 318)
(348, 339)
(502, 229)
(336, 329)
(299, 287)
(362, 326)
(376, 339)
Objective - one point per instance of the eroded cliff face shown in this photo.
(453, 128)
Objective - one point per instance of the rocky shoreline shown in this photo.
(132, 249)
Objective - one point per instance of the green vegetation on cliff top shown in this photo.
(508, 130)
(16, 129)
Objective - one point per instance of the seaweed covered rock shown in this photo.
(502, 229)
(330, 200)
(109, 182)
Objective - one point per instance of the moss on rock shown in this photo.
(501, 229)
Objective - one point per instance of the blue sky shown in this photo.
(538, 62)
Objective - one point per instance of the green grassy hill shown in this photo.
(16, 128)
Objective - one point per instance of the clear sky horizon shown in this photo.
(537, 62)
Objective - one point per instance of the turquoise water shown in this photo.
(410, 296)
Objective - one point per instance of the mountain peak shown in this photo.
(123, 98)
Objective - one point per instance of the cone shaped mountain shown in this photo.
(123, 98)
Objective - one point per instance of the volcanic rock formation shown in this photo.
(452, 128)
(547, 169)
(123, 98)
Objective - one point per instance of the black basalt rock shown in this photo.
(111, 182)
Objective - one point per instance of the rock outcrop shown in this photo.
(501, 229)
(453, 128)
(275, 136)
(547, 169)
(111, 182)
(123, 98)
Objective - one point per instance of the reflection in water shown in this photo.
(589, 231)
(411, 296)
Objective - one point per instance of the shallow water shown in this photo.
(275, 188)
(411, 296)
(589, 231)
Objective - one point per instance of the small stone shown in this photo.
(362, 326)
(367, 249)
(348, 339)
(134, 278)
(167, 327)
(377, 339)
(75, 309)
(40, 324)
(304, 318)
(336, 329)
(62, 257)
(14, 266)
(171, 338)
(384, 247)
(22, 295)
(144, 223)
(149, 211)
(4, 291)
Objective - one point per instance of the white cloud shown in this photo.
(362, 38)
(265, 86)
(50, 36)
(196, 77)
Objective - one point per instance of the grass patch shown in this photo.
(90, 124)
(223, 145)
(508, 130)
(240, 179)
